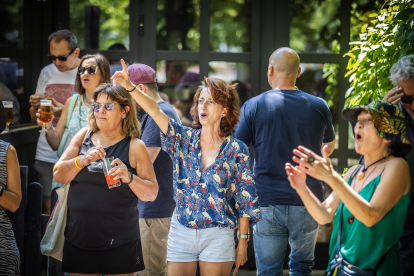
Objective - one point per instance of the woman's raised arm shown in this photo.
(146, 102)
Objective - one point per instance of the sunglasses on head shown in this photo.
(407, 99)
(61, 58)
(91, 70)
(109, 106)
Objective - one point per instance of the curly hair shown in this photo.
(103, 67)
(130, 124)
(224, 94)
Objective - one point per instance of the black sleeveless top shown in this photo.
(98, 217)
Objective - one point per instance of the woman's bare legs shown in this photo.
(215, 269)
(80, 274)
(181, 269)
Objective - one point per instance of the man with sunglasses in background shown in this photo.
(155, 217)
(402, 76)
(56, 82)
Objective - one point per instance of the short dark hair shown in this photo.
(153, 87)
(103, 66)
(117, 46)
(224, 94)
(67, 35)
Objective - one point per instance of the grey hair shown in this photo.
(64, 35)
(402, 70)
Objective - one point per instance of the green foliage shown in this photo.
(113, 21)
(382, 41)
(344, 172)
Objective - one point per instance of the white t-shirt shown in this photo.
(60, 86)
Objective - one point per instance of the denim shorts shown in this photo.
(207, 245)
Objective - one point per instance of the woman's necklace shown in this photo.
(80, 106)
(361, 175)
(85, 99)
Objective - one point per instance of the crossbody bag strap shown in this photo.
(72, 105)
(338, 240)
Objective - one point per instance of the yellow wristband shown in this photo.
(76, 164)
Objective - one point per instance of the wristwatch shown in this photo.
(1, 190)
(244, 236)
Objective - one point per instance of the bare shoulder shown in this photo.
(11, 150)
(137, 144)
(67, 102)
(397, 165)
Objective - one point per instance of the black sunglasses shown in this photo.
(407, 99)
(61, 58)
(91, 70)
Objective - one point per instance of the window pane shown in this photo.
(319, 80)
(11, 22)
(179, 80)
(352, 162)
(351, 142)
(233, 73)
(101, 25)
(315, 26)
(11, 88)
(178, 25)
(230, 25)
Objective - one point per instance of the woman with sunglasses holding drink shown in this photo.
(92, 71)
(102, 230)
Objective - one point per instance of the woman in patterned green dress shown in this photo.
(92, 71)
(372, 197)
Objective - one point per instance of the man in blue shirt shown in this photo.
(155, 217)
(275, 123)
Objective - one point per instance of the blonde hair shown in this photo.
(130, 124)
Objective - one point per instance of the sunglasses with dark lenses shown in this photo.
(97, 107)
(61, 58)
(407, 99)
(91, 70)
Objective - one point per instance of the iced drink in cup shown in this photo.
(109, 178)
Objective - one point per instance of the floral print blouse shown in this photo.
(218, 195)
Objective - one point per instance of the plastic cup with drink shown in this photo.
(107, 166)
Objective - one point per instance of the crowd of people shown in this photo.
(185, 189)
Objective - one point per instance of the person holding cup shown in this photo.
(102, 230)
(92, 71)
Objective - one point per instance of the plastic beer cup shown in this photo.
(8, 107)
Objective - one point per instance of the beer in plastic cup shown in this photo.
(45, 113)
(8, 107)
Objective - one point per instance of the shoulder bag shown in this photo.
(54, 238)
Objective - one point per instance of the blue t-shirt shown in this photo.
(163, 206)
(275, 123)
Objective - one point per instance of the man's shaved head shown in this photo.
(285, 60)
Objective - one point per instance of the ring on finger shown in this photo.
(311, 159)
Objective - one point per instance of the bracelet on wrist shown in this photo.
(76, 163)
(132, 178)
(132, 89)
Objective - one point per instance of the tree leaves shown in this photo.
(388, 36)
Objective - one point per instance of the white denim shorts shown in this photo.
(207, 245)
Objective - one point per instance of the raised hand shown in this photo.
(321, 168)
(122, 77)
(57, 108)
(296, 176)
(120, 172)
(35, 100)
(394, 95)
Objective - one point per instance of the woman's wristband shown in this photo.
(132, 89)
(76, 163)
(132, 178)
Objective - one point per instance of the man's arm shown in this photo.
(331, 147)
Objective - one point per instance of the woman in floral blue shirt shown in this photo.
(213, 180)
